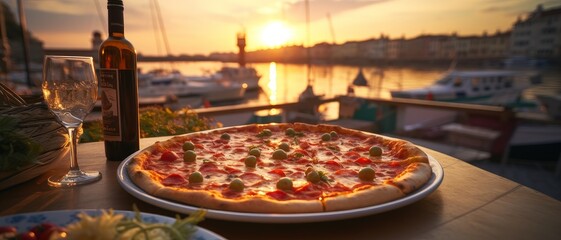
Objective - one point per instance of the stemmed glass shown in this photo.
(70, 90)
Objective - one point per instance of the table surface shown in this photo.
(469, 204)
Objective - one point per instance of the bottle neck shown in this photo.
(116, 21)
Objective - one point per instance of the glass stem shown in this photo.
(73, 151)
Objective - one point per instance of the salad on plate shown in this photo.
(102, 225)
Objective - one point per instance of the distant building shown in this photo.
(538, 35)
(483, 47)
(427, 47)
(374, 49)
(345, 52)
(394, 49)
(322, 51)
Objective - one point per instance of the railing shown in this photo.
(221, 110)
(498, 111)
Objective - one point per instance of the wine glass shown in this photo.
(70, 90)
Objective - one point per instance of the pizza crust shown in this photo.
(142, 178)
(206, 199)
(415, 175)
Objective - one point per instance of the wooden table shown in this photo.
(470, 204)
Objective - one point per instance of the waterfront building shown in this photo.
(374, 49)
(483, 47)
(442, 47)
(322, 52)
(348, 51)
(538, 35)
(427, 47)
(394, 49)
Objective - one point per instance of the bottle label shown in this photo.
(110, 109)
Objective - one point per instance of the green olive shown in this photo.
(265, 133)
(225, 136)
(334, 135)
(188, 146)
(255, 152)
(366, 174)
(375, 151)
(279, 154)
(237, 185)
(196, 177)
(284, 146)
(189, 156)
(290, 132)
(284, 184)
(326, 137)
(313, 176)
(250, 161)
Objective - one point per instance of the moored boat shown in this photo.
(241, 75)
(212, 87)
(492, 87)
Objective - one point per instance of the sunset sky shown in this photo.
(202, 27)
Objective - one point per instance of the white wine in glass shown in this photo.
(70, 90)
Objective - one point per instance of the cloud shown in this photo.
(320, 8)
(291, 11)
(513, 8)
(66, 7)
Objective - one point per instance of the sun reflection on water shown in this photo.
(272, 87)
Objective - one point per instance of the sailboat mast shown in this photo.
(331, 28)
(162, 28)
(4, 47)
(155, 26)
(308, 48)
(25, 42)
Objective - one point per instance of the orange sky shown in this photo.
(202, 27)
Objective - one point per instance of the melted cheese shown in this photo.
(220, 161)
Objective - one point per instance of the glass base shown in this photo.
(74, 177)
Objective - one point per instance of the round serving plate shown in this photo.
(433, 183)
(26, 221)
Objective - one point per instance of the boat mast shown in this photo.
(308, 48)
(156, 6)
(5, 50)
(162, 28)
(25, 42)
(331, 29)
(101, 16)
(309, 91)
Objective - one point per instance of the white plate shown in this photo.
(25, 221)
(429, 187)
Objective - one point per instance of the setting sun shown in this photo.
(275, 34)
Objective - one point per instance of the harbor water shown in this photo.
(285, 82)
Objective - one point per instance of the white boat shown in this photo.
(494, 87)
(212, 88)
(242, 75)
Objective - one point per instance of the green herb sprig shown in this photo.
(181, 229)
(16, 149)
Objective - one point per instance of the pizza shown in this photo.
(280, 168)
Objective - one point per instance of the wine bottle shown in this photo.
(119, 88)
